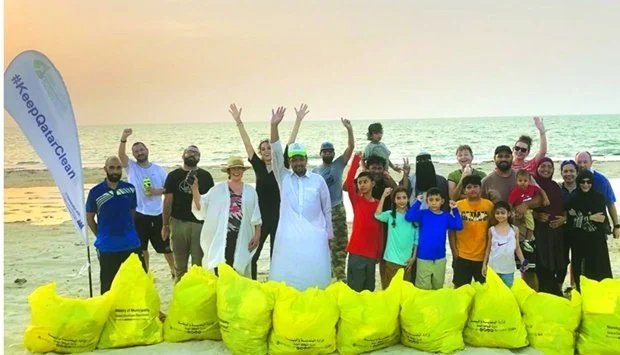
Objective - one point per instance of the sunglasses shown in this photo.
(571, 161)
(520, 149)
(589, 182)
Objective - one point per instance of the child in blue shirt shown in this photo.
(431, 250)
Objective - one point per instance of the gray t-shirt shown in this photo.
(500, 184)
(332, 174)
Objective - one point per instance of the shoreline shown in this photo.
(40, 178)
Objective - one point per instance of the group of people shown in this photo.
(516, 216)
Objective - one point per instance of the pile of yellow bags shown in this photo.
(260, 318)
(244, 307)
(134, 317)
(433, 320)
(192, 315)
(551, 321)
(303, 322)
(495, 319)
(600, 326)
(64, 325)
(368, 320)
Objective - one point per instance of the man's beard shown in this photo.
(190, 161)
(142, 158)
(503, 166)
(300, 171)
(328, 160)
(425, 176)
(114, 177)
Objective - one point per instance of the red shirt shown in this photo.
(518, 196)
(367, 236)
(531, 166)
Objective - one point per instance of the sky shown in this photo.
(170, 61)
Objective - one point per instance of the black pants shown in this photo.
(269, 227)
(465, 270)
(109, 263)
(361, 273)
(549, 281)
(229, 251)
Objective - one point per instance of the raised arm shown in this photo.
(301, 113)
(542, 151)
(390, 181)
(387, 192)
(236, 114)
(414, 214)
(454, 221)
(196, 203)
(349, 182)
(455, 190)
(277, 154)
(122, 147)
(351, 140)
(404, 182)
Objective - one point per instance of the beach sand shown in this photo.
(41, 245)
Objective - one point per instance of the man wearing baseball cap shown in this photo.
(301, 256)
(331, 170)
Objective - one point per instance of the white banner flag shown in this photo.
(37, 98)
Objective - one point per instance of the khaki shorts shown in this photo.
(430, 274)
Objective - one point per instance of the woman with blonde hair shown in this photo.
(232, 227)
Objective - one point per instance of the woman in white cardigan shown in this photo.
(232, 220)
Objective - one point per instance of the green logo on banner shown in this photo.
(40, 68)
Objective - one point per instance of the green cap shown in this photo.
(296, 149)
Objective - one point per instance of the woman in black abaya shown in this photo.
(587, 215)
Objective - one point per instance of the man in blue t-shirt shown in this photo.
(331, 170)
(602, 186)
(114, 203)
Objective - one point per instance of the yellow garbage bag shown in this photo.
(134, 318)
(495, 320)
(433, 320)
(600, 325)
(551, 321)
(192, 314)
(304, 322)
(64, 325)
(368, 320)
(244, 308)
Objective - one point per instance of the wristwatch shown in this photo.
(616, 226)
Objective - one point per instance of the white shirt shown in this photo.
(306, 195)
(301, 256)
(147, 205)
(502, 255)
(214, 211)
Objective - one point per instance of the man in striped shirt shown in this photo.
(114, 203)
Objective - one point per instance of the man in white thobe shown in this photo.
(301, 256)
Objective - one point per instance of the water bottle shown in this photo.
(146, 183)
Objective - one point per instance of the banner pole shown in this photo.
(90, 278)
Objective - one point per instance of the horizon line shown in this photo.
(12, 123)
